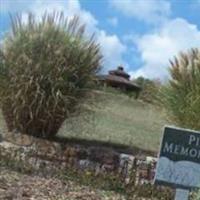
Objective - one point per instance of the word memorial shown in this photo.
(179, 160)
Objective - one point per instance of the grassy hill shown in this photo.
(119, 119)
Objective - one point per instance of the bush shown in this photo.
(47, 69)
(181, 95)
(150, 89)
(196, 195)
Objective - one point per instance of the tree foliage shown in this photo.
(150, 89)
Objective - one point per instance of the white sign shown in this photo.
(179, 159)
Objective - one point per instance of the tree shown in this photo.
(149, 87)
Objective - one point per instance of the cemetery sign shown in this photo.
(179, 159)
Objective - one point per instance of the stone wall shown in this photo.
(42, 153)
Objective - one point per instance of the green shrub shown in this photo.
(196, 195)
(181, 95)
(47, 70)
(150, 89)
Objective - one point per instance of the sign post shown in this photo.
(182, 194)
(179, 161)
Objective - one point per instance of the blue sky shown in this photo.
(141, 35)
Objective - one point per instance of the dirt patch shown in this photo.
(16, 186)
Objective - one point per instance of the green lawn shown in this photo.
(119, 119)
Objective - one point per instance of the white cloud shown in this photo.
(151, 11)
(157, 48)
(112, 47)
(10, 5)
(68, 7)
(113, 21)
(113, 50)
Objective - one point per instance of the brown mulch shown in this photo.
(16, 186)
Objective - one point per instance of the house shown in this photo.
(120, 79)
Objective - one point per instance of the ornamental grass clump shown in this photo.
(47, 69)
(181, 96)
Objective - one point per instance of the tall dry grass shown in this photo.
(181, 96)
(47, 69)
